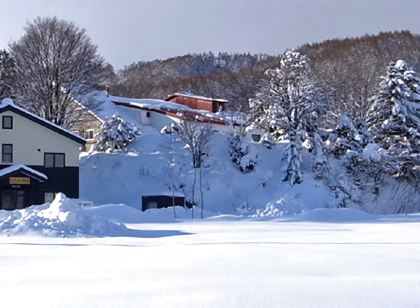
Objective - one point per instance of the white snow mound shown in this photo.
(335, 215)
(63, 217)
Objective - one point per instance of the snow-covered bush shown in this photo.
(241, 153)
(115, 135)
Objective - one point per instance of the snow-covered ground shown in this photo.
(344, 260)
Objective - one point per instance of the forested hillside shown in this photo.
(349, 69)
(224, 75)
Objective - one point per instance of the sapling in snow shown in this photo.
(196, 136)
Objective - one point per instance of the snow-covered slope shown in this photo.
(145, 170)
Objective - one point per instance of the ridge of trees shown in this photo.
(350, 69)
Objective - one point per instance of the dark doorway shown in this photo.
(12, 199)
(161, 201)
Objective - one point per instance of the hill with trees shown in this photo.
(349, 70)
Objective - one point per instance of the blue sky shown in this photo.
(133, 30)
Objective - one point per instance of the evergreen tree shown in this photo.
(349, 136)
(115, 135)
(288, 106)
(394, 116)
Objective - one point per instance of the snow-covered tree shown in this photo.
(394, 116)
(196, 136)
(240, 153)
(349, 135)
(288, 106)
(115, 135)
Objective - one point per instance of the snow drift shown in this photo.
(63, 217)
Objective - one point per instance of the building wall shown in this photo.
(198, 103)
(31, 140)
(159, 120)
(194, 103)
(145, 117)
(64, 180)
(87, 122)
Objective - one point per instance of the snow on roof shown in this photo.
(149, 103)
(8, 102)
(110, 105)
(14, 168)
(167, 193)
(83, 107)
(192, 95)
(177, 110)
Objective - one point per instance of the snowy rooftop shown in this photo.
(149, 103)
(14, 168)
(110, 105)
(178, 110)
(8, 102)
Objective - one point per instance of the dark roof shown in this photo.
(30, 116)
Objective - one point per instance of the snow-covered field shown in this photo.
(221, 262)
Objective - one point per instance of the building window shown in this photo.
(7, 122)
(7, 153)
(54, 160)
(147, 114)
(89, 134)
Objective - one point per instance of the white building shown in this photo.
(38, 158)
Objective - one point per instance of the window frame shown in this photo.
(3, 153)
(54, 164)
(3, 123)
(86, 132)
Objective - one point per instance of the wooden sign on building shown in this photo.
(19, 181)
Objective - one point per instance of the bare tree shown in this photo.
(196, 137)
(7, 74)
(54, 59)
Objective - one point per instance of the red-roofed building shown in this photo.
(197, 102)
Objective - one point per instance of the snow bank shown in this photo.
(63, 217)
(335, 215)
(126, 214)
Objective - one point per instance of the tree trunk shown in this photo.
(173, 201)
(193, 193)
(202, 195)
